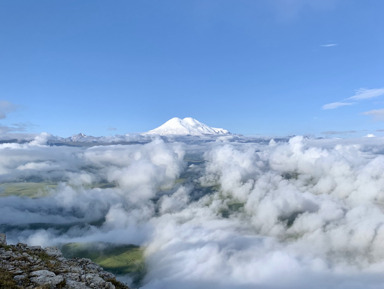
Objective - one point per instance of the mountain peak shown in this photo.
(186, 126)
(78, 137)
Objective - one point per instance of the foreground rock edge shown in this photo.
(23, 266)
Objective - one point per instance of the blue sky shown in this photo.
(266, 67)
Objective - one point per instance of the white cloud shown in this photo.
(329, 45)
(5, 108)
(339, 132)
(329, 196)
(361, 94)
(334, 105)
(236, 216)
(364, 93)
(378, 114)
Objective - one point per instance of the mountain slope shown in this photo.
(186, 126)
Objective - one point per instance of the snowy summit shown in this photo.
(186, 126)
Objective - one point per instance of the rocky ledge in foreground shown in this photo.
(23, 266)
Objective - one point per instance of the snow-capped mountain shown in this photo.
(186, 126)
(78, 137)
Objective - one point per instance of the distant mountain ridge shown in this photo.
(174, 128)
(186, 126)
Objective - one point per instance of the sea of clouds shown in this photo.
(300, 213)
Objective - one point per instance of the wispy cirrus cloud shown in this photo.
(335, 132)
(364, 93)
(360, 94)
(14, 128)
(5, 108)
(329, 45)
(334, 105)
(377, 114)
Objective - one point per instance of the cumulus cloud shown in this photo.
(291, 210)
(334, 105)
(139, 172)
(220, 214)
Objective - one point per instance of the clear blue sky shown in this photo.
(269, 67)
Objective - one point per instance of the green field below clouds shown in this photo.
(26, 189)
(118, 259)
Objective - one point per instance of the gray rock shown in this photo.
(3, 239)
(77, 269)
(70, 284)
(109, 285)
(45, 277)
(53, 251)
(7, 254)
(95, 281)
(31, 269)
(19, 278)
(16, 271)
(22, 245)
(107, 275)
(36, 248)
(72, 276)
(94, 267)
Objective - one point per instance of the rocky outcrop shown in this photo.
(23, 266)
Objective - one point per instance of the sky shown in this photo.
(267, 67)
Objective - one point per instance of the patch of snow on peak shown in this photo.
(186, 126)
(78, 137)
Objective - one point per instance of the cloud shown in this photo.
(361, 94)
(300, 209)
(364, 93)
(370, 135)
(334, 105)
(343, 132)
(5, 108)
(329, 45)
(211, 214)
(377, 114)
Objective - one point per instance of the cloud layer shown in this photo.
(296, 214)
